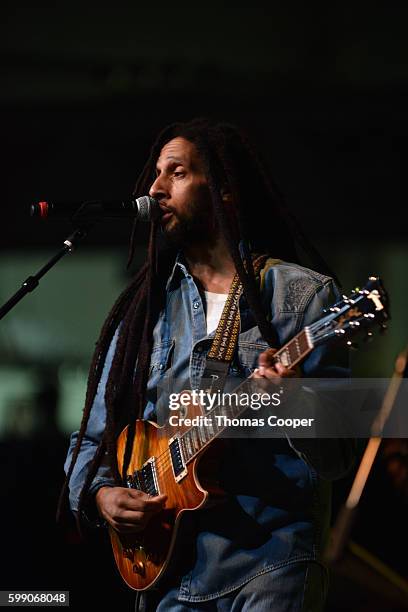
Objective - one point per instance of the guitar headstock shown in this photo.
(354, 315)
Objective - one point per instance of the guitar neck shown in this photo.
(216, 419)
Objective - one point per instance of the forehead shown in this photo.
(178, 149)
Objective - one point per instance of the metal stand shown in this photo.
(33, 281)
(344, 522)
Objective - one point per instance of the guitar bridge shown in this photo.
(177, 459)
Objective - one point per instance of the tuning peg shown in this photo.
(368, 337)
(383, 328)
(352, 345)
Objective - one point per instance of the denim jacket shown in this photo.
(278, 490)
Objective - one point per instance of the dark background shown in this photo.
(84, 88)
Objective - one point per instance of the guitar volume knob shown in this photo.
(140, 558)
(139, 568)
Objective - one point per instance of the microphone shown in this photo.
(144, 208)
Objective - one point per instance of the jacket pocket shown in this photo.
(160, 362)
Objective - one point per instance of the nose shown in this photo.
(158, 189)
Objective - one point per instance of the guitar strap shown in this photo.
(225, 340)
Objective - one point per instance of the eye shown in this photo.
(178, 173)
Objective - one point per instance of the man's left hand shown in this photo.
(273, 370)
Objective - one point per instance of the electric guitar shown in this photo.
(165, 461)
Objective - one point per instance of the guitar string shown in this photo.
(160, 459)
(163, 461)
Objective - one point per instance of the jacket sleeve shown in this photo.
(90, 442)
(331, 458)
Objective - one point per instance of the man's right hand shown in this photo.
(127, 510)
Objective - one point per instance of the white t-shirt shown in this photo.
(215, 306)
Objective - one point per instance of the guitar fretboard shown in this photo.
(214, 420)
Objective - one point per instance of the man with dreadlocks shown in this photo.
(260, 549)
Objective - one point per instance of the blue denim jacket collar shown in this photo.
(180, 265)
(180, 270)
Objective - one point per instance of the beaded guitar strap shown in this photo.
(225, 340)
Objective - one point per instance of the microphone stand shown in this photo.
(33, 281)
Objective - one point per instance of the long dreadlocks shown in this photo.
(265, 226)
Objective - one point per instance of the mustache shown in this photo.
(165, 208)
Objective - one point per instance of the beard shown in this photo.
(192, 227)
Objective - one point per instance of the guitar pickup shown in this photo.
(145, 479)
(177, 459)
